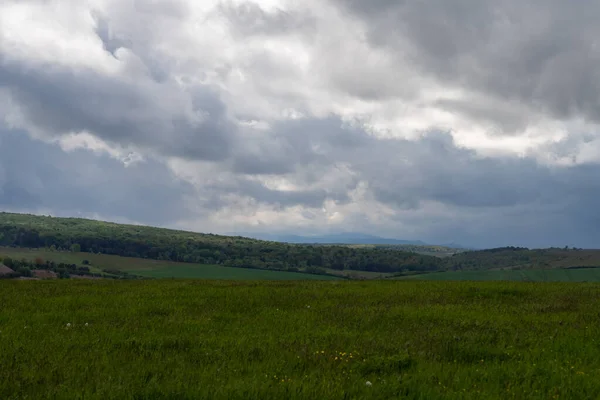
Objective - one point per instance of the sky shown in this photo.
(470, 121)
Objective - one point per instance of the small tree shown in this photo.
(9, 262)
(75, 248)
(63, 274)
(24, 271)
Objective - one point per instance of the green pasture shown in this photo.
(200, 339)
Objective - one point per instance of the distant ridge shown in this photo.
(335, 238)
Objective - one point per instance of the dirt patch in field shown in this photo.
(4, 270)
(43, 274)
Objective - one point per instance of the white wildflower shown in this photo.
(68, 324)
(369, 384)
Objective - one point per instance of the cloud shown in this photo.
(468, 121)
(248, 18)
(41, 177)
(539, 55)
(141, 112)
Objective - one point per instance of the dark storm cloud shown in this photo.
(38, 176)
(435, 169)
(497, 201)
(544, 54)
(147, 114)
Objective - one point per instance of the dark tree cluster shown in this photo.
(25, 268)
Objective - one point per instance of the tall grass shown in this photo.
(299, 340)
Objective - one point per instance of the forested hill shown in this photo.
(524, 258)
(77, 234)
(23, 230)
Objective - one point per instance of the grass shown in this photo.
(155, 268)
(354, 274)
(534, 275)
(186, 339)
(218, 272)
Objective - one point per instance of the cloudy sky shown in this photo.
(468, 121)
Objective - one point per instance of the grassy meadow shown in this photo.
(192, 339)
(219, 272)
(523, 275)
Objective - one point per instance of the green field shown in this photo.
(171, 339)
(218, 272)
(169, 269)
(157, 269)
(525, 275)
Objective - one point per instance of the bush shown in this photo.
(63, 274)
(315, 270)
(24, 271)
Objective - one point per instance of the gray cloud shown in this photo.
(294, 143)
(261, 194)
(110, 41)
(144, 113)
(541, 54)
(435, 169)
(249, 18)
(489, 200)
(37, 176)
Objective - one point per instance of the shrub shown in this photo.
(24, 271)
(9, 262)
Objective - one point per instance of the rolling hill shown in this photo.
(24, 230)
(348, 260)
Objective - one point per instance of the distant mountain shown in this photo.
(336, 238)
(458, 246)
